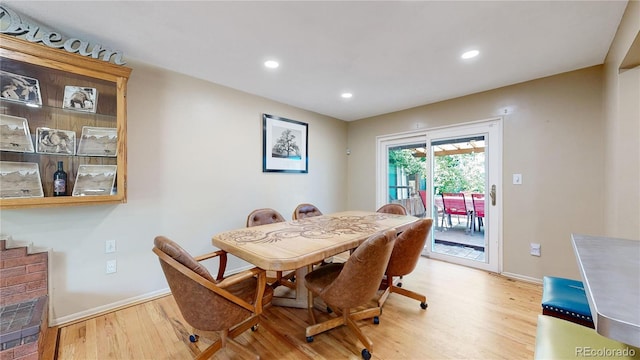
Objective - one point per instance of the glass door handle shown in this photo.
(492, 193)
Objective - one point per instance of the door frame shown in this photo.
(494, 177)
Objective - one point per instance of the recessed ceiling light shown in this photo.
(470, 54)
(347, 95)
(271, 64)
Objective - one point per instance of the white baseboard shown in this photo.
(83, 315)
(522, 277)
(107, 308)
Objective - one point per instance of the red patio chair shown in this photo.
(478, 209)
(454, 204)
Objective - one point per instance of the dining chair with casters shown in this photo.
(404, 258)
(264, 216)
(392, 209)
(347, 286)
(305, 210)
(455, 204)
(478, 209)
(229, 306)
(269, 216)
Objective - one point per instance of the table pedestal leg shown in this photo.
(300, 298)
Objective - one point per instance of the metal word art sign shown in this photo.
(11, 24)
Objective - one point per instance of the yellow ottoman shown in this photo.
(558, 339)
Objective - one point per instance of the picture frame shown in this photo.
(19, 88)
(14, 134)
(98, 141)
(285, 145)
(80, 98)
(93, 180)
(20, 180)
(55, 141)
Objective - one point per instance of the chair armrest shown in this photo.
(223, 261)
(215, 287)
(236, 278)
(209, 255)
(260, 286)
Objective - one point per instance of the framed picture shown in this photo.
(98, 141)
(20, 88)
(94, 180)
(14, 134)
(285, 147)
(80, 98)
(55, 141)
(20, 180)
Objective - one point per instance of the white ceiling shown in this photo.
(391, 55)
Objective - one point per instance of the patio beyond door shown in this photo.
(466, 167)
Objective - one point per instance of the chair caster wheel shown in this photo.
(366, 355)
(376, 320)
(193, 338)
(399, 284)
(329, 310)
(424, 305)
(293, 279)
(309, 339)
(254, 328)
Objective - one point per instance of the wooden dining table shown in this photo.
(298, 244)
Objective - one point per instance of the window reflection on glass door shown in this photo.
(406, 177)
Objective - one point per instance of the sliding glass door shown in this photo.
(452, 175)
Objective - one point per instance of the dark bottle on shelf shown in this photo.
(60, 181)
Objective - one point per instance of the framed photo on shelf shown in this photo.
(20, 180)
(55, 141)
(98, 141)
(80, 98)
(20, 88)
(14, 134)
(285, 145)
(94, 180)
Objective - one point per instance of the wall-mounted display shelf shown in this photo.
(58, 106)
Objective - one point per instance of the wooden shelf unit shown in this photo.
(54, 69)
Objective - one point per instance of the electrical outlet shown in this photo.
(110, 246)
(535, 249)
(111, 266)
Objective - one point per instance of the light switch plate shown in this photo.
(517, 179)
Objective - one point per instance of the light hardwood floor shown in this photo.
(472, 314)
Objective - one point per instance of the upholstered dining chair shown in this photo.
(264, 216)
(352, 284)
(309, 210)
(392, 209)
(404, 258)
(269, 216)
(228, 306)
(305, 210)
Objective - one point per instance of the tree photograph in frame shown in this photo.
(55, 141)
(20, 180)
(285, 145)
(80, 98)
(14, 134)
(14, 87)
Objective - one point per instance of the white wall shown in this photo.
(622, 131)
(194, 169)
(552, 135)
